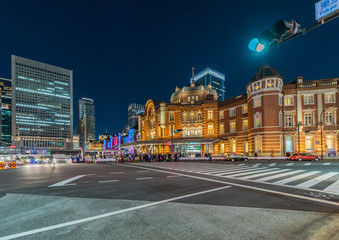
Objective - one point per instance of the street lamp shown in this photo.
(321, 129)
(299, 123)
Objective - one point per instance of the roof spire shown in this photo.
(192, 74)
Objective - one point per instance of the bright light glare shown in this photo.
(259, 47)
(253, 44)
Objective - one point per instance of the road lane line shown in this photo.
(116, 172)
(107, 181)
(291, 179)
(88, 219)
(317, 180)
(289, 164)
(249, 187)
(65, 182)
(328, 163)
(307, 164)
(170, 176)
(334, 187)
(144, 178)
(142, 171)
(272, 164)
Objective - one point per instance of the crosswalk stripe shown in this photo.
(256, 165)
(246, 173)
(317, 180)
(334, 187)
(291, 179)
(241, 164)
(272, 164)
(265, 173)
(238, 171)
(307, 164)
(220, 170)
(278, 176)
(226, 170)
(289, 164)
(328, 163)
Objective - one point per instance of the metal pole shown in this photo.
(298, 139)
(172, 146)
(84, 140)
(321, 136)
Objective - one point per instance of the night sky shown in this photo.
(130, 51)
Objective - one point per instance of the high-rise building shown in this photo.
(133, 110)
(86, 119)
(6, 111)
(216, 79)
(42, 106)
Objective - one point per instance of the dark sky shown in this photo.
(130, 51)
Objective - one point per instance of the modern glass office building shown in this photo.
(6, 112)
(42, 106)
(216, 79)
(86, 120)
(133, 110)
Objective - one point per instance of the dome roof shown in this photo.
(197, 87)
(265, 71)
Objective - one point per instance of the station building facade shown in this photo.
(271, 119)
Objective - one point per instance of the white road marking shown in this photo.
(241, 164)
(272, 164)
(65, 182)
(251, 172)
(278, 176)
(239, 171)
(265, 173)
(328, 163)
(144, 178)
(173, 176)
(67, 224)
(106, 181)
(334, 187)
(291, 179)
(247, 186)
(142, 171)
(256, 165)
(317, 180)
(116, 172)
(307, 164)
(289, 164)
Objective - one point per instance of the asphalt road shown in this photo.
(185, 200)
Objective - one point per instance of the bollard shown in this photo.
(12, 165)
(2, 165)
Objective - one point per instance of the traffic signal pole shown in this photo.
(306, 30)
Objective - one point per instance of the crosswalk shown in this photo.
(300, 178)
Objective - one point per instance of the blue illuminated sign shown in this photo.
(325, 7)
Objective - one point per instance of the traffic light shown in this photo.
(281, 30)
(177, 130)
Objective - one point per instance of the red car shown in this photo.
(304, 156)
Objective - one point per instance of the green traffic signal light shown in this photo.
(256, 46)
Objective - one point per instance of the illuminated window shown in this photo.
(199, 117)
(232, 127)
(244, 108)
(210, 114)
(309, 143)
(245, 146)
(280, 100)
(171, 117)
(308, 99)
(329, 97)
(210, 130)
(258, 144)
(196, 98)
(221, 129)
(330, 142)
(189, 99)
(257, 102)
(233, 146)
(244, 124)
(221, 114)
(289, 100)
(222, 148)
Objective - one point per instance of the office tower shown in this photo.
(133, 111)
(6, 112)
(216, 79)
(42, 106)
(86, 120)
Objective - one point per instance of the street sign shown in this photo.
(12, 146)
(79, 148)
(325, 8)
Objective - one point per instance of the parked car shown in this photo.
(304, 156)
(236, 157)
